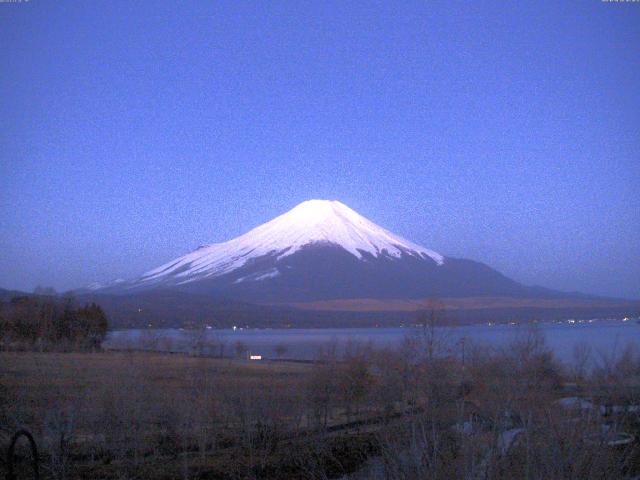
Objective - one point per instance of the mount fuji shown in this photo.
(323, 250)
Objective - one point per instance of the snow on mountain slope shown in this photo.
(311, 222)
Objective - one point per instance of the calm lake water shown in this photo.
(605, 337)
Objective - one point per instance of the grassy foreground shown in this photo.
(404, 414)
(152, 415)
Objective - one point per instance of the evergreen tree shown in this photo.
(45, 322)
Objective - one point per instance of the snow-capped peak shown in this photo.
(311, 222)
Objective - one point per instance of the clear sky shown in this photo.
(505, 132)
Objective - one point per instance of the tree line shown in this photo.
(45, 323)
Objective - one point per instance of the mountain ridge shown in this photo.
(323, 251)
(313, 222)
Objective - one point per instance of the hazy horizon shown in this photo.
(503, 133)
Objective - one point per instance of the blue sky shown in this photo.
(505, 132)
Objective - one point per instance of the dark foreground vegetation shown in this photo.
(50, 323)
(418, 412)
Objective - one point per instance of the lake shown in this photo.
(605, 337)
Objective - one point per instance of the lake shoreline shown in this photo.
(604, 336)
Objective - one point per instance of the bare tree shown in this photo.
(280, 350)
(582, 356)
(241, 349)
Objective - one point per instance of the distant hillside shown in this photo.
(6, 295)
(175, 308)
(171, 308)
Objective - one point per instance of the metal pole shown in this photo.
(11, 455)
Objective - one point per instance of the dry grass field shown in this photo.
(122, 408)
(404, 414)
(79, 374)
